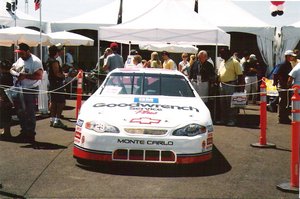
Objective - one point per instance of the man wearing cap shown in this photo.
(250, 73)
(281, 76)
(295, 60)
(28, 70)
(114, 60)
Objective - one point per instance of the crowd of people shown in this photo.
(201, 70)
(27, 80)
(233, 74)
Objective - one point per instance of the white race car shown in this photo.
(144, 115)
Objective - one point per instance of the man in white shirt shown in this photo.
(28, 70)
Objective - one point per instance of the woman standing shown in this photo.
(184, 65)
(154, 61)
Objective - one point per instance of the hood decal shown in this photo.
(145, 100)
(139, 106)
(145, 120)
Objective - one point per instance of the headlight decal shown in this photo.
(101, 127)
(191, 130)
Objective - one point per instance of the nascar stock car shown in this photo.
(144, 115)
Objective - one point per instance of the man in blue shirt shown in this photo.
(281, 76)
(114, 60)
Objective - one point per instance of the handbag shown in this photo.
(15, 95)
(238, 100)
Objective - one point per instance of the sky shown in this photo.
(56, 10)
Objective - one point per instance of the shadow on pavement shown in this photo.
(72, 129)
(69, 107)
(248, 121)
(218, 165)
(245, 121)
(10, 195)
(44, 146)
(282, 149)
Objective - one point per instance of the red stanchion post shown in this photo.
(293, 185)
(79, 91)
(263, 119)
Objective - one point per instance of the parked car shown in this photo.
(144, 115)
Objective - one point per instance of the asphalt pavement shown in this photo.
(237, 170)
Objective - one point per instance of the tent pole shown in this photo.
(98, 46)
(99, 53)
(129, 47)
(216, 56)
(121, 50)
(64, 55)
(215, 92)
(41, 47)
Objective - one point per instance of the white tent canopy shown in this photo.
(16, 35)
(177, 26)
(290, 36)
(227, 15)
(172, 48)
(106, 15)
(69, 39)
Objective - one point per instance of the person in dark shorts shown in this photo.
(6, 80)
(281, 76)
(56, 88)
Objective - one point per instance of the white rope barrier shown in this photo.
(74, 94)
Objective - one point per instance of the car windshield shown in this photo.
(147, 84)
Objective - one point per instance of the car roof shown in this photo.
(147, 70)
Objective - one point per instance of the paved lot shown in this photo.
(236, 171)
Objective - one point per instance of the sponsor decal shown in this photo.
(154, 107)
(145, 100)
(77, 135)
(79, 122)
(145, 142)
(145, 120)
(149, 112)
(209, 141)
(238, 99)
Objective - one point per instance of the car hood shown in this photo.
(144, 111)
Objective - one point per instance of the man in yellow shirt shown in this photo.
(168, 63)
(230, 74)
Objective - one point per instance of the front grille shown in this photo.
(144, 155)
(146, 131)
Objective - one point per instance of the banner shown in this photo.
(271, 90)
